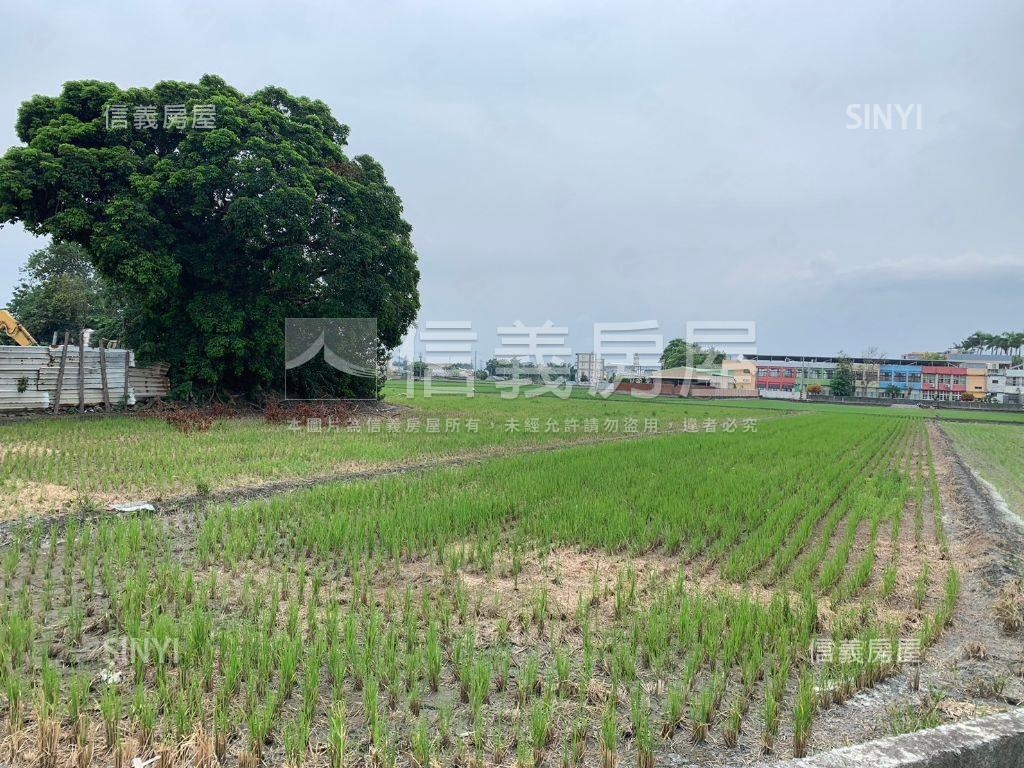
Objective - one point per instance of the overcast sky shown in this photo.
(615, 161)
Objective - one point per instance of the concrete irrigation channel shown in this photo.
(989, 742)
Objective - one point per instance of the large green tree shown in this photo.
(215, 235)
(679, 353)
(60, 291)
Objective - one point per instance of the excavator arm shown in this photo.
(15, 330)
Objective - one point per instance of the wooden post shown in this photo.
(127, 362)
(60, 375)
(103, 377)
(81, 371)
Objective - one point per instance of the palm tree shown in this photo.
(972, 343)
(1017, 341)
(1007, 343)
(997, 342)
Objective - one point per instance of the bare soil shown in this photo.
(975, 668)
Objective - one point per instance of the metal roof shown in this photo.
(686, 372)
(797, 360)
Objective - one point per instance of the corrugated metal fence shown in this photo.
(29, 377)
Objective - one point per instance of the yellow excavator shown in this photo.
(15, 330)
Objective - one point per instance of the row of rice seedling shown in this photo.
(828, 504)
(826, 511)
(882, 499)
(252, 664)
(914, 470)
(130, 457)
(551, 501)
(814, 557)
(936, 498)
(292, 626)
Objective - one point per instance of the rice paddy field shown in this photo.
(1010, 417)
(997, 453)
(903, 407)
(708, 589)
(66, 461)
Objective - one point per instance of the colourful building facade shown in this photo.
(895, 378)
(744, 373)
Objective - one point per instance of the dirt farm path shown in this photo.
(975, 669)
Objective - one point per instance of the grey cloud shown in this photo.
(586, 162)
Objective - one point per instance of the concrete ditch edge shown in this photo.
(996, 741)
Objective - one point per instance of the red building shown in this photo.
(944, 379)
(776, 377)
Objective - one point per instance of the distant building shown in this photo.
(908, 377)
(744, 373)
(976, 381)
(589, 367)
(1014, 391)
(1006, 386)
(971, 360)
(688, 377)
(781, 376)
(684, 381)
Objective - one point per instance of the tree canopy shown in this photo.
(60, 291)
(214, 236)
(680, 353)
(843, 382)
(979, 341)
